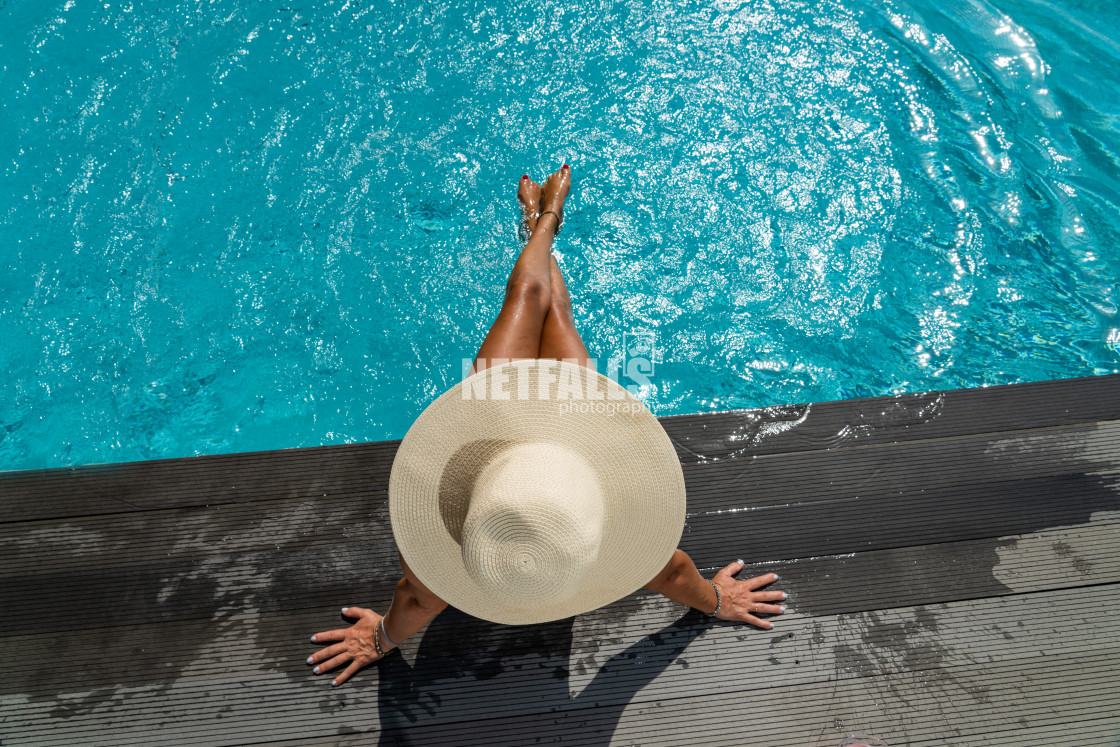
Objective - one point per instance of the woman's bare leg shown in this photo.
(516, 333)
(559, 338)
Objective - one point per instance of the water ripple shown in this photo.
(230, 227)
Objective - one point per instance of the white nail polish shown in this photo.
(344, 610)
(310, 659)
(315, 670)
(784, 595)
(775, 576)
(782, 608)
(334, 683)
(740, 561)
(313, 639)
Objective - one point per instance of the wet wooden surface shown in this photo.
(953, 560)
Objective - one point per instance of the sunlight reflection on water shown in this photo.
(237, 227)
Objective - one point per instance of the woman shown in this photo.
(535, 581)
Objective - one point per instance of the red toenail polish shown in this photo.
(524, 176)
(566, 166)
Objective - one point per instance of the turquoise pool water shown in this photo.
(233, 226)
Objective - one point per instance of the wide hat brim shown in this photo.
(555, 403)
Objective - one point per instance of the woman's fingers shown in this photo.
(769, 596)
(333, 663)
(729, 571)
(765, 625)
(760, 581)
(768, 609)
(347, 673)
(354, 611)
(328, 652)
(330, 635)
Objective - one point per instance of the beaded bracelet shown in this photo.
(719, 599)
(379, 632)
(377, 641)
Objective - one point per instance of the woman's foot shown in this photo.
(529, 195)
(553, 193)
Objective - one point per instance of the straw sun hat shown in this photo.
(534, 491)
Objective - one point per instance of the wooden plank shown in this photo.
(709, 437)
(926, 635)
(948, 572)
(885, 522)
(354, 468)
(960, 657)
(166, 592)
(329, 572)
(903, 467)
(955, 707)
(858, 472)
(317, 472)
(56, 546)
(945, 472)
(800, 528)
(39, 661)
(1103, 731)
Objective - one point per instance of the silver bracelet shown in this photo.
(719, 599)
(386, 635)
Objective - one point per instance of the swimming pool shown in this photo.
(230, 227)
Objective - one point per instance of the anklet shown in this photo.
(559, 222)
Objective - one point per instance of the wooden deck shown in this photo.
(953, 561)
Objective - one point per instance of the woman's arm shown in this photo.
(680, 581)
(413, 607)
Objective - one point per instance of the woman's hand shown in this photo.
(355, 645)
(740, 602)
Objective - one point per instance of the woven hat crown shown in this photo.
(534, 524)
